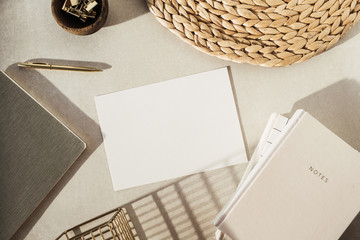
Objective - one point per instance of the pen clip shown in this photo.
(33, 64)
(40, 64)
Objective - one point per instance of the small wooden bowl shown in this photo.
(73, 24)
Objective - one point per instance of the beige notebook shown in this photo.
(306, 187)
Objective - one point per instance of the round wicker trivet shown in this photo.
(261, 32)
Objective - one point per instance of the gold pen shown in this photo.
(40, 65)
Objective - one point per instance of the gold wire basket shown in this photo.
(117, 228)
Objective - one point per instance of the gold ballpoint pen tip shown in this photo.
(96, 70)
(84, 69)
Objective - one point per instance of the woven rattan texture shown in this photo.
(261, 32)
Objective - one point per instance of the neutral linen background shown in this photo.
(136, 50)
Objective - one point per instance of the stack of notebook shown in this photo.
(303, 182)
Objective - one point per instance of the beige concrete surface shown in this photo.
(137, 50)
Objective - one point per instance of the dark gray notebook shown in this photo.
(35, 151)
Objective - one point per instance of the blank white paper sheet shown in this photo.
(170, 129)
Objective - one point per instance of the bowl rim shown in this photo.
(88, 29)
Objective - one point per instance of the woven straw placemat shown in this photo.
(261, 32)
